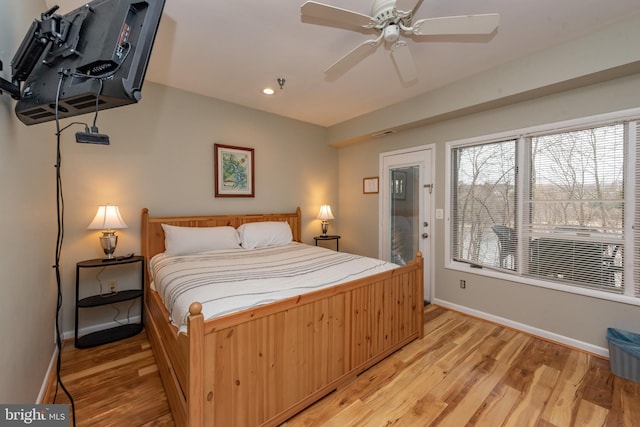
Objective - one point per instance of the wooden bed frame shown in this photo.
(263, 365)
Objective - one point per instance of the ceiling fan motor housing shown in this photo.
(383, 10)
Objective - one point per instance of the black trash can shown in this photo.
(624, 353)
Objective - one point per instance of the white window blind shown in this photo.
(573, 226)
(484, 203)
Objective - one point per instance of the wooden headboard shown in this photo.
(153, 235)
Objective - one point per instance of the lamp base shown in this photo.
(325, 228)
(109, 241)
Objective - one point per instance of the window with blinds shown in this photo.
(549, 205)
(573, 215)
(484, 203)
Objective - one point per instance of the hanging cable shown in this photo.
(95, 117)
(58, 251)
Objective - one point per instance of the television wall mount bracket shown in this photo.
(6, 86)
(46, 40)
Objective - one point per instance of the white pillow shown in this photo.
(261, 234)
(191, 240)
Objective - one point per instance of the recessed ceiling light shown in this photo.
(270, 91)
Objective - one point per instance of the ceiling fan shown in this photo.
(391, 19)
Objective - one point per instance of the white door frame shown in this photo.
(426, 245)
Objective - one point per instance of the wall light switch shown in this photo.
(439, 214)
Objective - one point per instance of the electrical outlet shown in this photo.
(113, 286)
(463, 284)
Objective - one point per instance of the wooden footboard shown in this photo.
(263, 365)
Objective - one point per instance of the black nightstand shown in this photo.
(119, 332)
(329, 237)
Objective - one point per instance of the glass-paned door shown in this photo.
(406, 192)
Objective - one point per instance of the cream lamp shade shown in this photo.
(325, 215)
(108, 219)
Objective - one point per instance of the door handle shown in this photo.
(425, 235)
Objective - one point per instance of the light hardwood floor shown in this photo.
(464, 372)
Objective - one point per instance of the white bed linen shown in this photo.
(226, 281)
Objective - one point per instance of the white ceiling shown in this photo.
(231, 49)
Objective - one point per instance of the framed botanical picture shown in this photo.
(370, 185)
(234, 171)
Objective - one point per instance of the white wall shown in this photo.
(27, 230)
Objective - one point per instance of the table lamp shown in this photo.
(108, 219)
(325, 215)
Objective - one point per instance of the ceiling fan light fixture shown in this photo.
(391, 33)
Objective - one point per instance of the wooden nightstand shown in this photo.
(329, 237)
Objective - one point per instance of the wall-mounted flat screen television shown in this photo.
(92, 58)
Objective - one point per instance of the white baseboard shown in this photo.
(51, 371)
(560, 339)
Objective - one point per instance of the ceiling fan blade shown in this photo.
(312, 9)
(403, 61)
(449, 25)
(352, 58)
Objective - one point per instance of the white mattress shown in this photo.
(226, 281)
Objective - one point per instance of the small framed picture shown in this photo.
(234, 171)
(370, 185)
